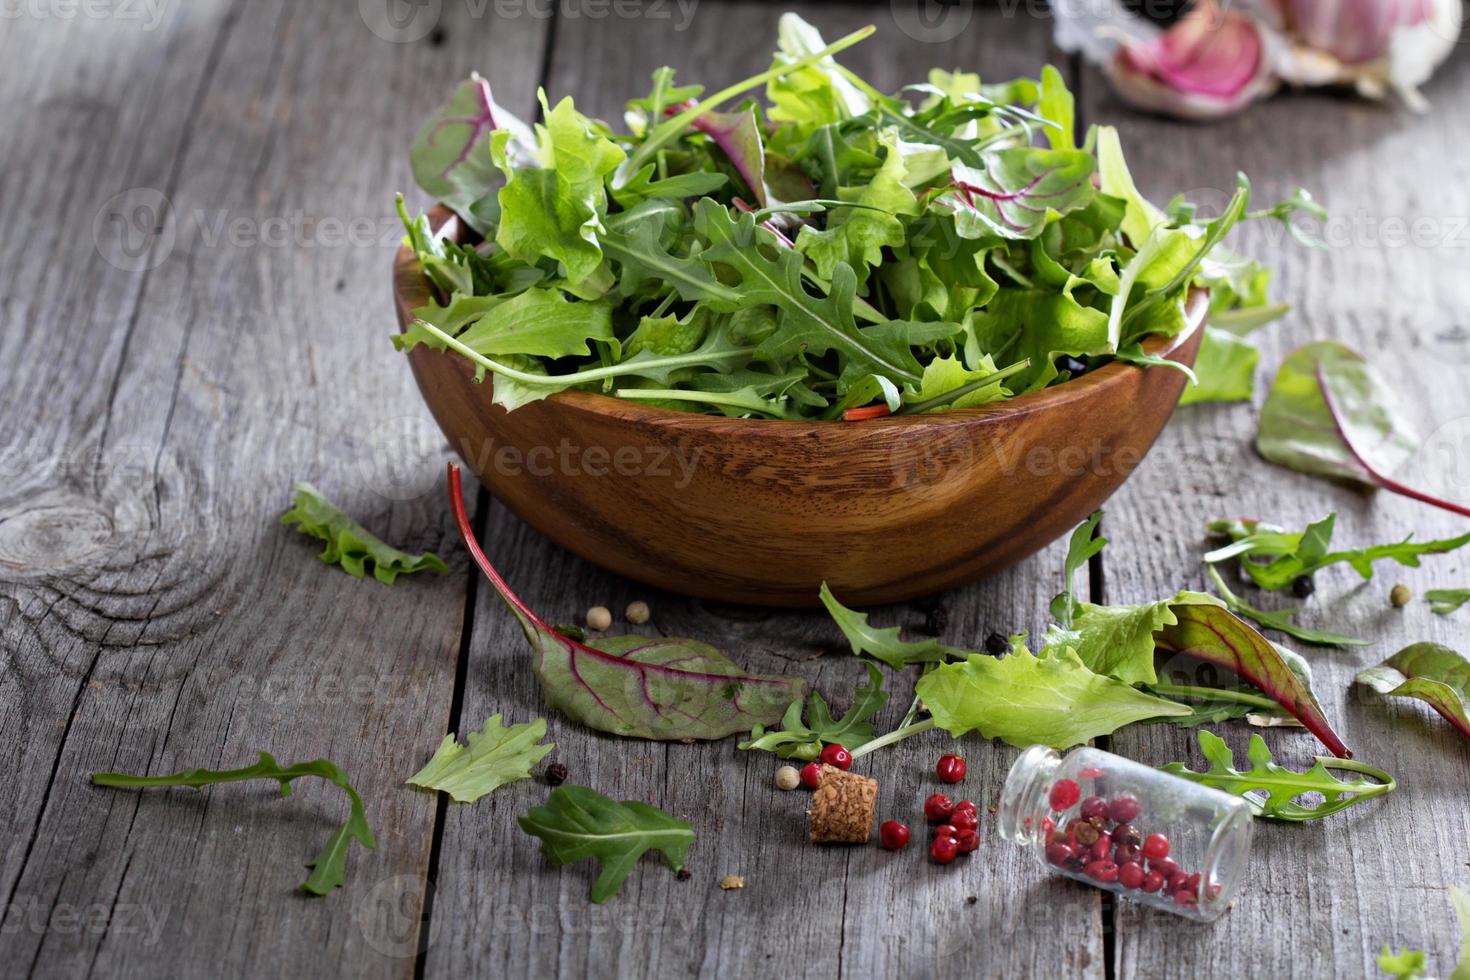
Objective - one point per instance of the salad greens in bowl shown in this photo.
(834, 335)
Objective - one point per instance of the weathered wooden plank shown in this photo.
(804, 911)
(161, 406)
(1323, 897)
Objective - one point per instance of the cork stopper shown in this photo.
(843, 807)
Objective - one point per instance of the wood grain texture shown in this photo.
(764, 511)
(805, 910)
(167, 384)
(1323, 898)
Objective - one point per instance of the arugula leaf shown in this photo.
(1084, 544)
(1271, 790)
(884, 644)
(1281, 620)
(577, 823)
(806, 323)
(1446, 601)
(631, 685)
(804, 739)
(1329, 414)
(349, 544)
(1023, 699)
(857, 236)
(329, 865)
(1435, 674)
(1292, 555)
(495, 755)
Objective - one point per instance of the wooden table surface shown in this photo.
(198, 204)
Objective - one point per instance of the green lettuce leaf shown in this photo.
(349, 544)
(1026, 700)
(1225, 369)
(495, 755)
(451, 155)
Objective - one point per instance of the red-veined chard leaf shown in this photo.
(738, 134)
(1328, 414)
(1212, 633)
(1020, 189)
(451, 155)
(658, 688)
(1435, 674)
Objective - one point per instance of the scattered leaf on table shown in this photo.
(495, 755)
(1435, 674)
(1213, 633)
(658, 688)
(577, 823)
(1271, 789)
(1446, 601)
(1282, 620)
(1024, 699)
(1084, 543)
(329, 865)
(1329, 414)
(884, 643)
(349, 544)
(803, 739)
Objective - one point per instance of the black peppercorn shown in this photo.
(1303, 586)
(556, 774)
(936, 621)
(995, 644)
(682, 874)
(1072, 365)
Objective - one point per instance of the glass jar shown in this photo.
(1129, 828)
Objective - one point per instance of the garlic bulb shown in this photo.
(1214, 61)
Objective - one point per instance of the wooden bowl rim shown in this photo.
(411, 291)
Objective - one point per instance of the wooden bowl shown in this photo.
(764, 511)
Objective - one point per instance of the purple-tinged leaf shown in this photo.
(1212, 633)
(1328, 414)
(738, 134)
(1435, 674)
(1020, 189)
(451, 155)
(658, 688)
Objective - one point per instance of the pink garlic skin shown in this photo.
(1211, 63)
(1352, 31)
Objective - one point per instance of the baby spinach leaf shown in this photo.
(1023, 699)
(1435, 674)
(661, 688)
(577, 823)
(1271, 790)
(349, 544)
(329, 865)
(1446, 601)
(804, 739)
(495, 755)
